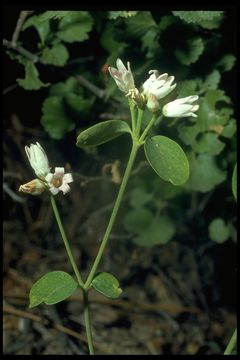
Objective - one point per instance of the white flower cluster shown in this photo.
(46, 180)
(155, 88)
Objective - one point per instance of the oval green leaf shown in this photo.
(234, 182)
(107, 285)
(102, 133)
(52, 288)
(167, 158)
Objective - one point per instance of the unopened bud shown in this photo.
(34, 187)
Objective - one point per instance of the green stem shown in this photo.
(231, 344)
(150, 124)
(133, 115)
(139, 121)
(66, 243)
(87, 322)
(132, 157)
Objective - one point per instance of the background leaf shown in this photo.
(31, 80)
(193, 51)
(57, 55)
(218, 230)
(55, 119)
(52, 288)
(234, 182)
(75, 26)
(206, 19)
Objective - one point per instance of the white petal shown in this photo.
(120, 65)
(49, 177)
(67, 178)
(59, 170)
(65, 188)
(54, 190)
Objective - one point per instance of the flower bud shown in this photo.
(34, 187)
(181, 107)
(38, 160)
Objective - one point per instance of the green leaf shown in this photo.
(158, 232)
(188, 133)
(107, 285)
(212, 80)
(227, 62)
(78, 103)
(47, 15)
(57, 55)
(140, 23)
(52, 288)
(43, 28)
(71, 85)
(75, 26)
(136, 220)
(139, 197)
(102, 132)
(167, 158)
(234, 182)
(208, 144)
(218, 231)
(125, 14)
(230, 129)
(206, 19)
(193, 51)
(31, 80)
(55, 120)
(204, 173)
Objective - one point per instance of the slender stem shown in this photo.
(66, 243)
(133, 115)
(150, 124)
(87, 322)
(231, 344)
(132, 157)
(139, 121)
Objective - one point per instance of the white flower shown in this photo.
(59, 181)
(34, 187)
(160, 86)
(38, 159)
(181, 107)
(123, 77)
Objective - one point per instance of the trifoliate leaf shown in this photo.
(125, 14)
(234, 182)
(191, 53)
(159, 231)
(140, 23)
(43, 28)
(206, 19)
(139, 197)
(218, 231)
(31, 80)
(47, 15)
(208, 144)
(75, 26)
(227, 62)
(57, 55)
(138, 219)
(204, 173)
(55, 120)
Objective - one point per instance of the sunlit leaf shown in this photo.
(107, 285)
(102, 133)
(167, 158)
(52, 288)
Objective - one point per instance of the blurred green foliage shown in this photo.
(186, 44)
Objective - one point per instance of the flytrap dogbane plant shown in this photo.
(164, 155)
